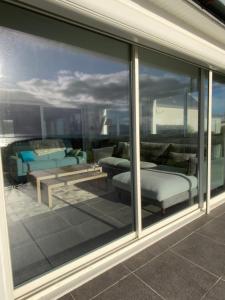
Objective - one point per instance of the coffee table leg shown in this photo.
(38, 186)
(49, 197)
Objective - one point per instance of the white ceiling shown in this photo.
(188, 15)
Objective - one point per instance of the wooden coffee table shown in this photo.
(48, 185)
(38, 176)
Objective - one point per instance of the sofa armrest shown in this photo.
(15, 166)
(82, 157)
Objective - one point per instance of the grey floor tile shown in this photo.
(174, 237)
(107, 206)
(123, 215)
(89, 210)
(92, 229)
(204, 252)
(66, 297)
(40, 227)
(30, 272)
(129, 288)
(214, 230)
(73, 215)
(18, 234)
(196, 224)
(218, 211)
(142, 257)
(175, 278)
(59, 242)
(217, 292)
(100, 283)
(28, 262)
(25, 255)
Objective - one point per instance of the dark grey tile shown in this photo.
(196, 224)
(25, 255)
(59, 242)
(66, 297)
(221, 218)
(28, 262)
(44, 226)
(218, 211)
(18, 234)
(174, 237)
(93, 228)
(217, 292)
(73, 215)
(123, 215)
(107, 206)
(142, 257)
(129, 288)
(175, 278)
(97, 285)
(204, 252)
(214, 230)
(89, 210)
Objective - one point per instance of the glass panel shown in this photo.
(169, 135)
(218, 135)
(65, 134)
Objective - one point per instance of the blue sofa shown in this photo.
(46, 154)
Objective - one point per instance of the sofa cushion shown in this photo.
(183, 148)
(153, 152)
(145, 165)
(57, 155)
(66, 161)
(47, 144)
(25, 168)
(74, 152)
(183, 160)
(122, 150)
(100, 153)
(41, 165)
(112, 161)
(216, 151)
(157, 185)
(27, 155)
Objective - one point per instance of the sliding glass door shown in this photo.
(169, 126)
(218, 135)
(64, 135)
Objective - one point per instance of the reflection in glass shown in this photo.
(64, 128)
(218, 135)
(169, 135)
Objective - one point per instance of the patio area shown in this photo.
(188, 264)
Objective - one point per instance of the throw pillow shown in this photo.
(27, 156)
(74, 152)
(122, 150)
(183, 160)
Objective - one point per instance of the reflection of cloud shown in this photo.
(161, 86)
(81, 88)
(77, 88)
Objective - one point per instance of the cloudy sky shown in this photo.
(34, 69)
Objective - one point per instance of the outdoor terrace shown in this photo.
(187, 264)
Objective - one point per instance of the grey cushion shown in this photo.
(100, 153)
(153, 151)
(158, 185)
(183, 148)
(123, 150)
(112, 161)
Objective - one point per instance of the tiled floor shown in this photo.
(188, 264)
(84, 217)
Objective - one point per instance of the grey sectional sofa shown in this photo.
(168, 171)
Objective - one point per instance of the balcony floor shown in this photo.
(188, 264)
